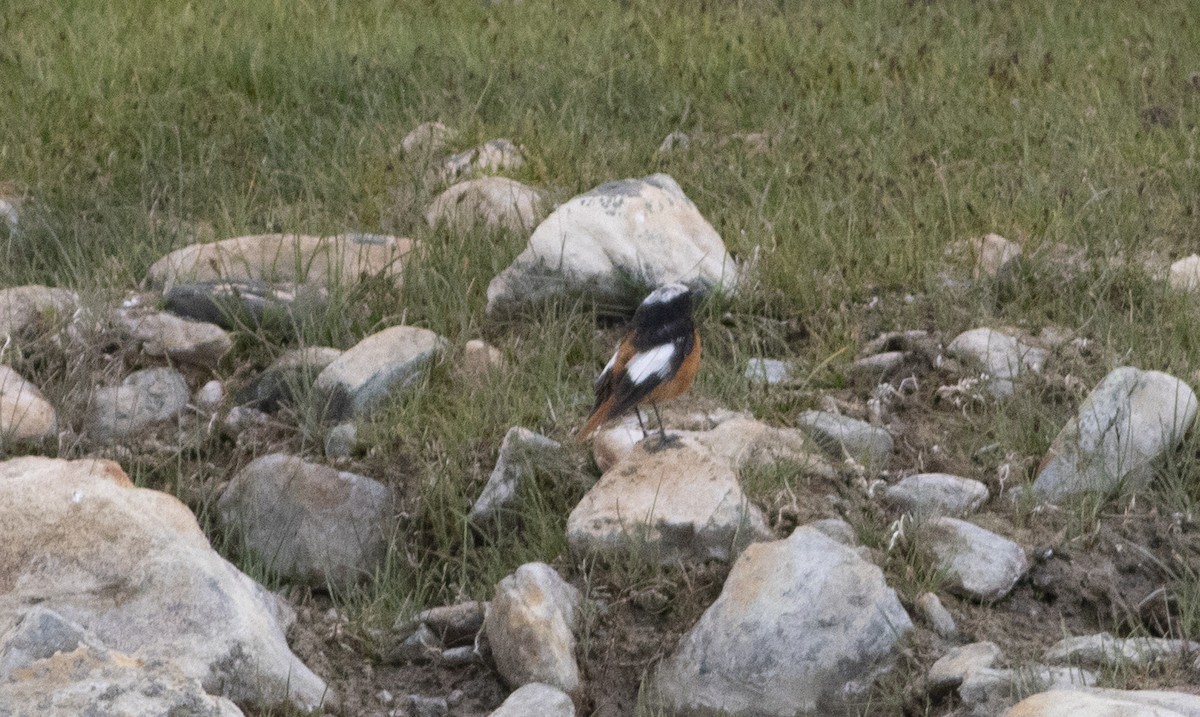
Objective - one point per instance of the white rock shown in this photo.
(936, 616)
(136, 571)
(530, 625)
(1003, 357)
(358, 380)
(869, 445)
(680, 502)
(518, 451)
(536, 700)
(491, 156)
(991, 255)
(145, 397)
(427, 138)
(952, 668)
(987, 691)
(1131, 418)
(308, 522)
(480, 358)
(770, 372)
(162, 334)
(937, 494)
(1104, 649)
(1185, 274)
(979, 563)
(491, 201)
(23, 306)
(24, 412)
(1097, 702)
(210, 394)
(802, 626)
(646, 230)
(876, 367)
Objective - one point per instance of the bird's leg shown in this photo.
(661, 433)
(637, 412)
(663, 439)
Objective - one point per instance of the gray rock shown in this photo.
(23, 307)
(876, 367)
(770, 372)
(492, 156)
(480, 358)
(1130, 419)
(308, 522)
(936, 616)
(869, 445)
(454, 624)
(518, 452)
(1104, 649)
(424, 706)
(359, 380)
(341, 441)
(38, 634)
(989, 692)
(460, 656)
(25, 413)
(1003, 357)
(145, 397)
(289, 378)
(164, 335)
(1184, 274)
(530, 625)
(240, 303)
(419, 647)
(952, 668)
(682, 502)
(10, 215)
(991, 256)
(978, 563)
(675, 140)
(136, 571)
(487, 201)
(210, 395)
(802, 626)
(1100, 702)
(536, 699)
(427, 138)
(240, 418)
(937, 494)
(604, 243)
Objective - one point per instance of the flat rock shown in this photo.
(239, 303)
(1130, 419)
(840, 436)
(536, 699)
(530, 624)
(168, 336)
(22, 307)
(135, 570)
(145, 397)
(308, 522)
(496, 202)
(979, 563)
(290, 378)
(739, 438)
(492, 156)
(603, 243)
(1002, 356)
(285, 259)
(680, 502)
(952, 668)
(986, 692)
(1098, 702)
(1184, 274)
(25, 413)
(937, 494)
(802, 626)
(1104, 649)
(519, 452)
(358, 380)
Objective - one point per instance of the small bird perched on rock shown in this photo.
(656, 360)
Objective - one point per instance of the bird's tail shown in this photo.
(597, 419)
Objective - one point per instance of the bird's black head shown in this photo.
(665, 315)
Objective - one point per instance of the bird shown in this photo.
(655, 361)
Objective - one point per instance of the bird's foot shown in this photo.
(659, 442)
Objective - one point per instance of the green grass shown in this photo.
(131, 128)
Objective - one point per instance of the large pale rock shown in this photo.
(802, 626)
(519, 449)
(839, 435)
(145, 397)
(1185, 274)
(612, 238)
(978, 563)
(1003, 357)
(530, 624)
(309, 522)
(1097, 702)
(937, 494)
(679, 502)
(1104, 649)
(132, 567)
(162, 334)
(739, 438)
(1131, 418)
(490, 201)
(22, 306)
(536, 699)
(291, 259)
(358, 380)
(24, 412)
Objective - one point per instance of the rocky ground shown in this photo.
(869, 546)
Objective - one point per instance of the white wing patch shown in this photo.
(655, 362)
